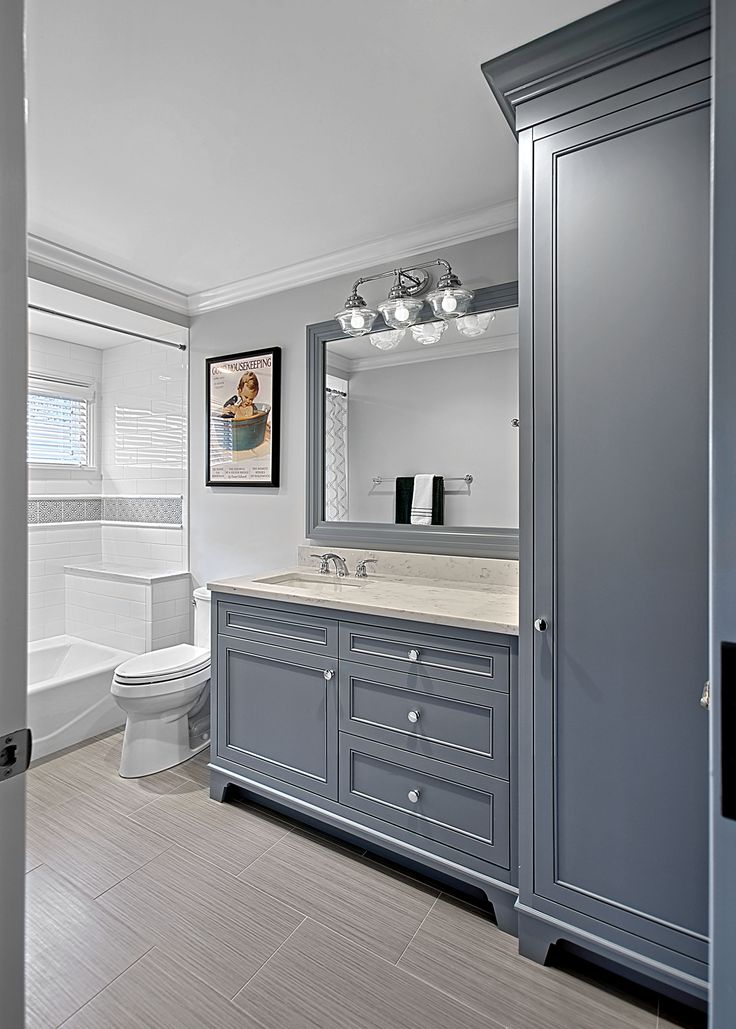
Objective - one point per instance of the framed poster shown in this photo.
(243, 418)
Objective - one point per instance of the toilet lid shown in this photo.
(170, 663)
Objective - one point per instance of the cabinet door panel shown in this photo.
(277, 713)
(620, 519)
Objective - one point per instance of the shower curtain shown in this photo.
(336, 456)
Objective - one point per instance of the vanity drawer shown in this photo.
(278, 628)
(461, 724)
(455, 806)
(444, 657)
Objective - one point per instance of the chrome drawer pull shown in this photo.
(413, 717)
(541, 625)
(328, 673)
(413, 796)
(413, 654)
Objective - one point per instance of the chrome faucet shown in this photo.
(360, 572)
(340, 567)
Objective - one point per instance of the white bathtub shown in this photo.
(69, 696)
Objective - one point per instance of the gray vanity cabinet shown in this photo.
(380, 729)
(613, 122)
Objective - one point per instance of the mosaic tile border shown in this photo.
(141, 510)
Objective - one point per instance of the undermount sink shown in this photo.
(311, 581)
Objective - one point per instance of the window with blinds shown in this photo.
(60, 423)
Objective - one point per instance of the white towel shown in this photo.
(421, 501)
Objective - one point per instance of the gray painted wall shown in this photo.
(251, 530)
(449, 417)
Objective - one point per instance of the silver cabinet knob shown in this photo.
(328, 673)
(705, 695)
(541, 624)
(413, 796)
(413, 717)
(413, 654)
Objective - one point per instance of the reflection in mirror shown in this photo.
(440, 399)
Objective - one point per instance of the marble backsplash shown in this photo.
(497, 572)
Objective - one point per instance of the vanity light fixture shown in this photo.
(356, 319)
(401, 309)
(450, 299)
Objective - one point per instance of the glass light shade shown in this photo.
(450, 301)
(475, 324)
(428, 332)
(387, 340)
(401, 312)
(356, 321)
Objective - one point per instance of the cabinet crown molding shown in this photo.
(592, 44)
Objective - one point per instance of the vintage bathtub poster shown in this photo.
(243, 400)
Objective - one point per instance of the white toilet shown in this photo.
(166, 698)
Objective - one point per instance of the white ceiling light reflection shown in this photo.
(429, 332)
(387, 340)
(475, 324)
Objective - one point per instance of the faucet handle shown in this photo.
(360, 572)
(324, 568)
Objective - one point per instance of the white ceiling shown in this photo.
(197, 143)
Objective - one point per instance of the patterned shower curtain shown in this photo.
(336, 456)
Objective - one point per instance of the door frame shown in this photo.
(13, 500)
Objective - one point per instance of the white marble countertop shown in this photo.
(470, 605)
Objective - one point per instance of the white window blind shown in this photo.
(59, 422)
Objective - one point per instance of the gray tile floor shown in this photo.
(152, 907)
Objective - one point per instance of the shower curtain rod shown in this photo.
(101, 325)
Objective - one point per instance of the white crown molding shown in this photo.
(486, 221)
(52, 255)
(438, 352)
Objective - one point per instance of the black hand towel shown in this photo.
(405, 494)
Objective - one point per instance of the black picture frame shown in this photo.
(219, 472)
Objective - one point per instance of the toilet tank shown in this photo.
(202, 617)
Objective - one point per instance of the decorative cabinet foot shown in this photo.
(218, 786)
(504, 912)
(534, 939)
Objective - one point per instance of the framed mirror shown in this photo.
(383, 410)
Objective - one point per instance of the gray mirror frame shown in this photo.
(467, 541)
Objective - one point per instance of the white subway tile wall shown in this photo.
(172, 613)
(141, 422)
(128, 615)
(144, 447)
(49, 550)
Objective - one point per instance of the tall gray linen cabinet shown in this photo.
(612, 118)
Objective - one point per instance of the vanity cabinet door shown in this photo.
(277, 713)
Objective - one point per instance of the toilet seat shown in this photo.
(161, 672)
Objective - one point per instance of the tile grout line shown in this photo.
(492, 1022)
(96, 995)
(135, 870)
(418, 928)
(282, 944)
